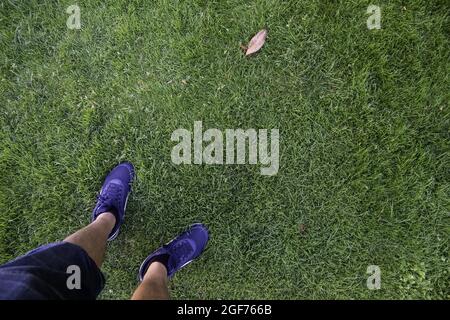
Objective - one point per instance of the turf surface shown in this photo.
(364, 152)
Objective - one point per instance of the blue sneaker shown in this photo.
(180, 251)
(114, 194)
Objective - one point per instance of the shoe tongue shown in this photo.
(104, 207)
(171, 263)
(107, 207)
(108, 198)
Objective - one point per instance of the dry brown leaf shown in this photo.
(256, 42)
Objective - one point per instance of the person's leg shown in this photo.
(44, 272)
(154, 285)
(93, 237)
(108, 214)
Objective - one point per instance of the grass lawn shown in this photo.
(364, 129)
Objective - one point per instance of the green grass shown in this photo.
(364, 151)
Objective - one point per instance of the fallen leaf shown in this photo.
(256, 42)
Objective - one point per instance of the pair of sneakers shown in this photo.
(177, 253)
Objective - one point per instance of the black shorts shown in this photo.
(48, 272)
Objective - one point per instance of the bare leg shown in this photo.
(93, 237)
(154, 285)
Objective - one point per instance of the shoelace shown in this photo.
(112, 195)
(182, 251)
